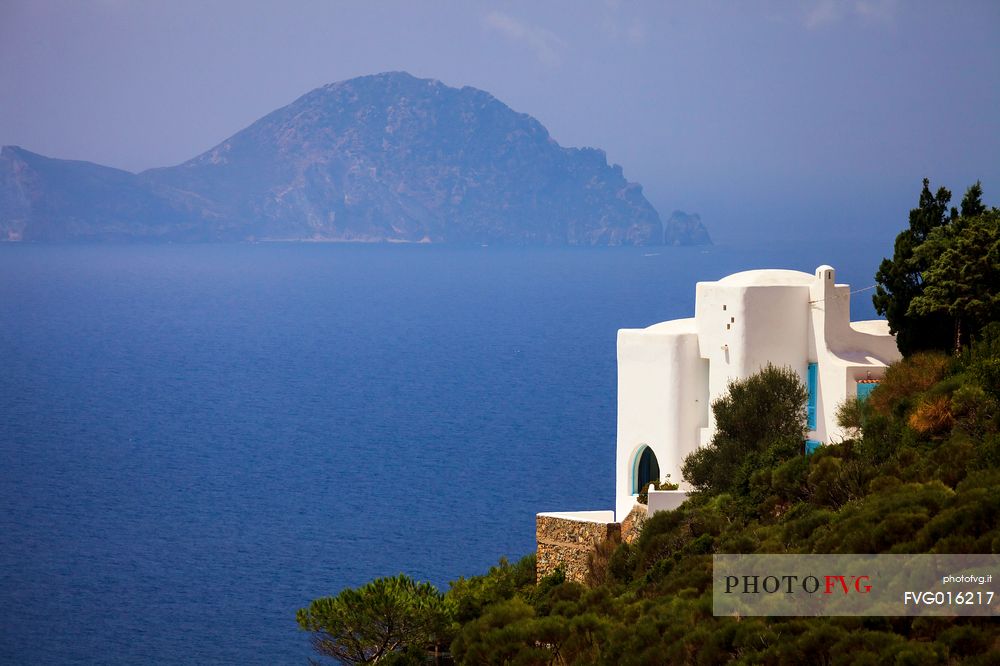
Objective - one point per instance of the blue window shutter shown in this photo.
(812, 445)
(811, 381)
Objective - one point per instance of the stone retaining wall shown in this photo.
(632, 525)
(566, 542)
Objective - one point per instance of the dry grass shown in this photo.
(599, 560)
(909, 377)
(932, 415)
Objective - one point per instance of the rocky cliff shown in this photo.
(388, 157)
(685, 229)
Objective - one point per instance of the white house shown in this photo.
(670, 373)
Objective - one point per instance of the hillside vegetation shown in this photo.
(921, 474)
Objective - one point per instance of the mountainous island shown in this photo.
(381, 158)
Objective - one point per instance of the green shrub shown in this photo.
(760, 422)
(471, 595)
(851, 416)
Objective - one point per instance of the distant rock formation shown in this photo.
(387, 157)
(685, 229)
(44, 199)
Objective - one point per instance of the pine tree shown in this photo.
(900, 279)
(972, 202)
(385, 617)
(962, 279)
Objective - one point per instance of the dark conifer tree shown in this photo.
(899, 280)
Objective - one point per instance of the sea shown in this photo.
(197, 440)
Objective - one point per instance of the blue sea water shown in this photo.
(197, 440)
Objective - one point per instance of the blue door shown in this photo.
(646, 470)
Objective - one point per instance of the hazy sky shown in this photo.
(808, 118)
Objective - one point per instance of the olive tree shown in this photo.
(759, 422)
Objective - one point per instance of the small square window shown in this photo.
(728, 326)
(732, 319)
(723, 308)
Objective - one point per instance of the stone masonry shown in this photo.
(632, 525)
(567, 543)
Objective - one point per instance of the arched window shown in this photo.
(645, 469)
